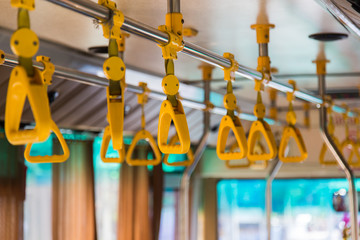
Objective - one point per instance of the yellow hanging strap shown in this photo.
(206, 74)
(190, 155)
(307, 114)
(348, 142)
(172, 109)
(46, 76)
(230, 121)
(143, 135)
(260, 127)
(114, 70)
(357, 123)
(331, 129)
(291, 131)
(28, 82)
(273, 108)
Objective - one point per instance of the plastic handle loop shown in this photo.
(229, 163)
(53, 158)
(260, 127)
(176, 114)
(353, 152)
(116, 119)
(323, 150)
(105, 145)
(143, 135)
(20, 87)
(226, 125)
(259, 165)
(190, 155)
(292, 132)
(349, 142)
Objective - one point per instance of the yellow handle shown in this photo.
(20, 87)
(292, 132)
(53, 158)
(116, 118)
(226, 125)
(190, 155)
(177, 115)
(354, 152)
(261, 127)
(229, 163)
(143, 135)
(323, 150)
(104, 146)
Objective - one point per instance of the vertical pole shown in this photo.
(268, 194)
(185, 180)
(353, 203)
(173, 6)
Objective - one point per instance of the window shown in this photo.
(302, 209)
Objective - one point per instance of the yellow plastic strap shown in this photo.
(348, 142)
(187, 162)
(142, 100)
(176, 114)
(20, 87)
(115, 118)
(230, 121)
(105, 145)
(231, 165)
(307, 115)
(173, 28)
(53, 158)
(143, 135)
(324, 148)
(291, 131)
(273, 109)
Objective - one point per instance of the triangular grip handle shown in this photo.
(227, 124)
(288, 133)
(190, 155)
(143, 135)
(105, 145)
(261, 127)
(116, 119)
(47, 158)
(357, 163)
(177, 115)
(323, 151)
(229, 164)
(354, 152)
(20, 87)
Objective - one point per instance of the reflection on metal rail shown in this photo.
(93, 10)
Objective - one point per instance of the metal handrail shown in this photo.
(101, 13)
